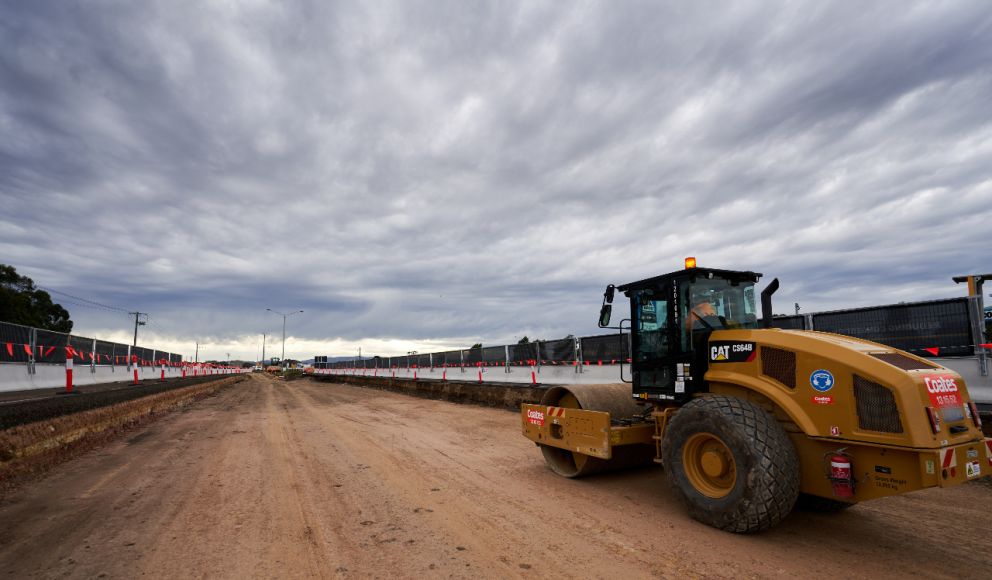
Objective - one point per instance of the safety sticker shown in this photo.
(973, 469)
(821, 380)
(949, 459)
(834, 431)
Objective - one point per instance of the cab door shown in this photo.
(653, 336)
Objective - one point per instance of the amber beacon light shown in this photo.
(690, 262)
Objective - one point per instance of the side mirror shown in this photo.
(604, 315)
(608, 295)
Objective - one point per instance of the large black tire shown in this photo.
(815, 503)
(731, 463)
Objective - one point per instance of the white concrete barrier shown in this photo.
(15, 376)
(554, 374)
(979, 387)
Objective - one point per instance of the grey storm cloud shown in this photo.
(465, 171)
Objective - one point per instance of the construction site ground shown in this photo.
(273, 479)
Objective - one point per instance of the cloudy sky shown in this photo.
(426, 175)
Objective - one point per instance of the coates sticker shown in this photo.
(823, 400)
(726, 351)
(535, 418)
(943, 391)
(821, 380)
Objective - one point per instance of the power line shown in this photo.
(88, 302)
(74, 303)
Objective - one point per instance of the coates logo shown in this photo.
(937, 385)
(535, 418)
(821, 400)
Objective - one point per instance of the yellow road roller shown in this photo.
(749, 420)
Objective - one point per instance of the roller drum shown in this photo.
(615, 399)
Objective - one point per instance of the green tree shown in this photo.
(475, 346)
(21, 302)
(524, 340)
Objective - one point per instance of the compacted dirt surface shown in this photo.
(273, 479)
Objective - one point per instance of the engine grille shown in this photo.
(877, 409)
(779, 364)
(902, 361)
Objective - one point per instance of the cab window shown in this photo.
(716, 304)
(652, 326)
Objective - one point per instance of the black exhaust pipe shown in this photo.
(766, 303)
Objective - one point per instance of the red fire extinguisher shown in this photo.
(842, 475)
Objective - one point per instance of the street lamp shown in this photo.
(284, 315)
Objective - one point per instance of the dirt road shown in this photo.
(299, 479)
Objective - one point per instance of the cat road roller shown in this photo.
(747, 420)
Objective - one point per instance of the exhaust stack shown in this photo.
(766, 303)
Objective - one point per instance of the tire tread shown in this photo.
(772, 478)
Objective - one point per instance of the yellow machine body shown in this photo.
(830, 393)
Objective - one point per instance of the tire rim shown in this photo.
(709, 465)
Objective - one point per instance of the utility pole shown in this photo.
(262, 362)
(284, 316)
(137, 323)
(196, 358)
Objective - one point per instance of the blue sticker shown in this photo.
(822, 380)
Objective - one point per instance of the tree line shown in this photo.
(21, 302)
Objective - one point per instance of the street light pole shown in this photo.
(284, 316)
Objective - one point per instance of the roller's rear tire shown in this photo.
(731, 463)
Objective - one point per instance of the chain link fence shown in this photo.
(24, 344)
(604, 349)
(929, 328)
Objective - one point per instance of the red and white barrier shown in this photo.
(68, 371)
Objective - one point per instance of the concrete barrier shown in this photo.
(550, 375)
(15, 376)
(979, 387)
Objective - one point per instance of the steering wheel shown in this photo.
(692, 312)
